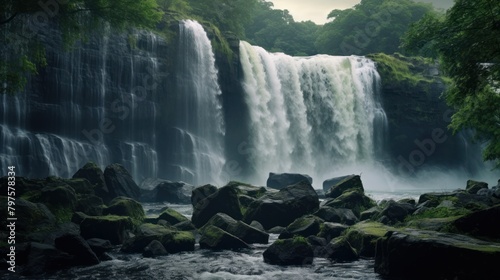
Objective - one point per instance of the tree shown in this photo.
(277, 31)
(372, 26)
(227, 15)
(21, 23)
(467, 42)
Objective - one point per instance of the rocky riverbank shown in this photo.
(63, 223)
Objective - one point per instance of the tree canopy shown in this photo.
(372, 26)
(467, 42)
(277, 31)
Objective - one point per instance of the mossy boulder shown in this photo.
(124, 206)
(109, 227)
(354, 200)
(172, 217)
(59, 197)
(420, 254)
(337, 186)
(215, 238)
(94, 175)
(201, 193)
(294, 251)
(81, 186)
(339, 250)
(281, 180)
(225, 200)
(363, 237)
(473, 187)
(370, 214)
(396, 212)
(243, 231)
(247, 189)
(283, 207)
(159, 190)
(90, 204)
(329, 231)
(336, 215)
(173, 241)
(304, 226)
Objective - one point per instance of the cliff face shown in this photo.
(418, 117)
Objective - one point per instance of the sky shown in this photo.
(318, 10)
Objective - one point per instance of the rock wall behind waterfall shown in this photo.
(98, 101)
(136, 99)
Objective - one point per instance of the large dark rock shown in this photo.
(173, 241)
(340, 250)
(304, 226)
(474, 186)
(296, 251)
(76, 246)
(215, 238)
(239, 229)
(419, 254)
(281, 180)
(363, 237)
(36, 217)
(336, 215)
(335, 187)
(480, 224)
(353, 200)
(329, 231)
(283, 207)
(154, 249)
(110, 228)
(59, 197)
(124, 206)
(158, 190)
(201, 193)
(396, 212)
(44, 258)
(225, 200)
(119, 182)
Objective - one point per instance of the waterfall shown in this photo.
(199, 125)
(92, 103)
(310, 114)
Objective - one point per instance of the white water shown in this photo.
(313, 115)
(199, 122)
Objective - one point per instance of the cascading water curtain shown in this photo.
(309, 114)
(199, 119)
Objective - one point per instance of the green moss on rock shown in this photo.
(124, 206)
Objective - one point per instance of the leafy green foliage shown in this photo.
(228, 15)
(21, 22)
(396, 69)
(276, 31)
(467, 41)
(372, 26)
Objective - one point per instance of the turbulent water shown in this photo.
(199, 122)
(311, 114)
